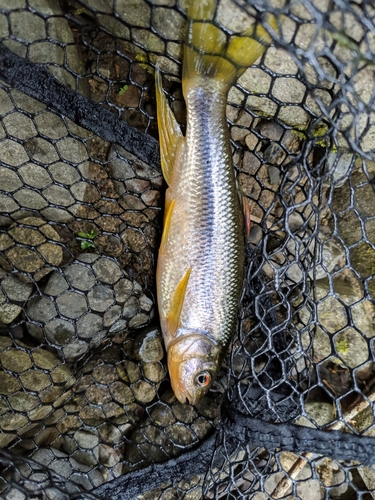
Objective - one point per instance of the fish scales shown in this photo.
(201, 256)
(206, 233)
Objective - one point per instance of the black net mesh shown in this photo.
(86, 408)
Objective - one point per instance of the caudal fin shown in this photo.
(210, 52)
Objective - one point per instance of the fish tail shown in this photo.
(210, 52)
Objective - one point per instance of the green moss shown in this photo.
(342, 346)
(143, 59)
(362, 258)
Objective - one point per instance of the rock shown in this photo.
(107, 271)
(148, 346)
(8, 312)
(72, 304)
(44, 251)
(86, 476)
(41, 309)
(83, 303)
(274, 175)
(338, 165)
(100, 298)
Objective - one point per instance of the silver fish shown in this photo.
(201, 257)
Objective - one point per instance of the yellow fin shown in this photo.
(209, 51)
(170, 134)
(177, 301)
(169, 206)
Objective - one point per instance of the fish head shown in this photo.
(193, 362)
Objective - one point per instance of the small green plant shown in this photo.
(123, 90)
(86, 239)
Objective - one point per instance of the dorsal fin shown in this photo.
(170, 135)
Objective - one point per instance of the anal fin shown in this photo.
(177, 301)
(170, 135)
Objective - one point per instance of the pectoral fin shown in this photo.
(170, 135)
(177, 301)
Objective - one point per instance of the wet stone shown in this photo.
(35, 380)
(154, 372)
(131, 308)
(20, 126)
(100, 298)
(35, 176)
(123, 290)
(7, 204)
(134, 12)
(143, 391)
(145, 303)
(88, 325)
(148, 347)
(41, 309)
(15, 289)
(134, 240)
(88, 258)
(30, 199)
(131, 202)
(35, 331)
(64, 173)
(75, 349)
(56, 284)
(51, 125)
(71, 304)
(45, 359)
(59, 332)
(112, 315)
(121, 393)
(72, 150)
(15, 360)
(22, 401)
(151, 198)
(10, 181)
(80, 277)
(139, 320)
(59, 196)
(8, 384)
(118, 326)
(107, 270)
(42, 150)
(30, 259)
(27, 26)
(9, 312)
(12, 153)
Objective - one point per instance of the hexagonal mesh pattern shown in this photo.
(86, 408)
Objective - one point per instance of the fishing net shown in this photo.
(86, 407)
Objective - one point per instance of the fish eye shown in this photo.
(203, 379)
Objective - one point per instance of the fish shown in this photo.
(200, 266)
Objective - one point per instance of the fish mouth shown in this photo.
(184, 397)
(181, 394)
